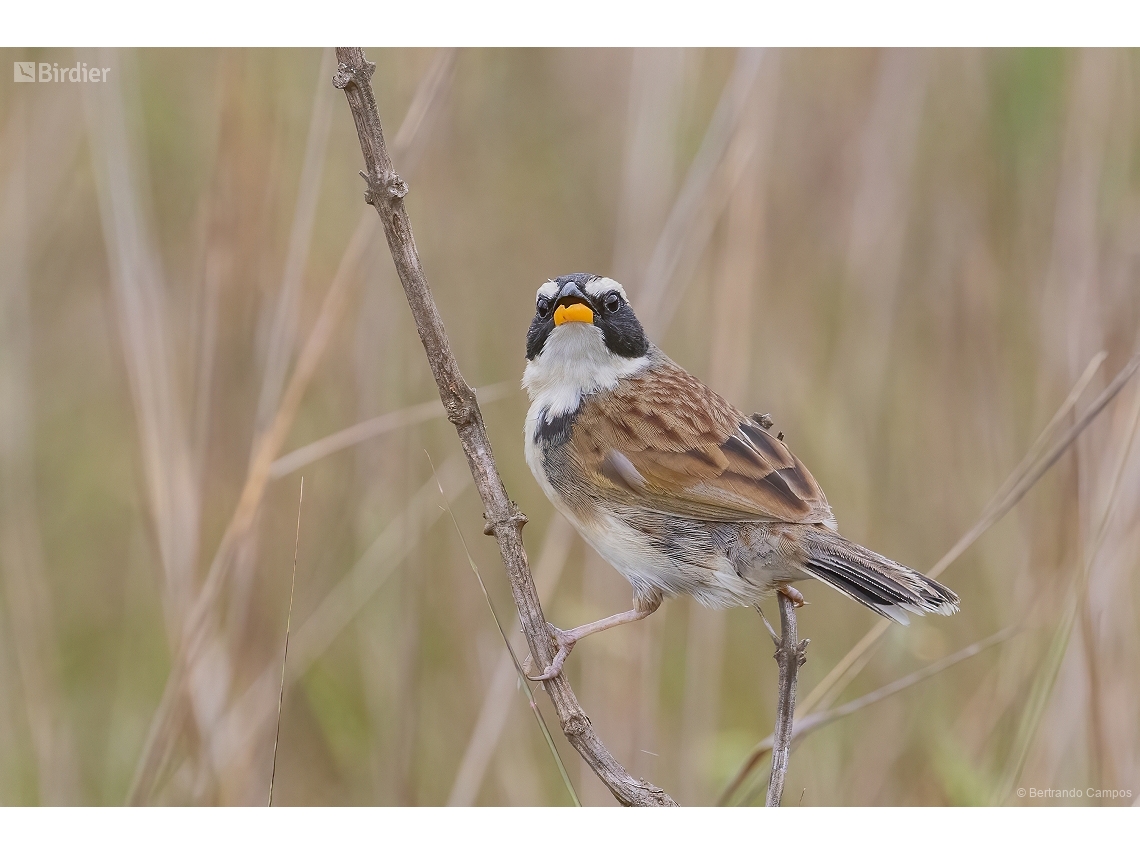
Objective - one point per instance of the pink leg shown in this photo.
(568, 638)
(792, 594)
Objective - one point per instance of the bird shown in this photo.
(676, 488)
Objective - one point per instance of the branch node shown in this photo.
(516, 518)
(390, 186)
(346, 74)
(462, 410)
(781, 655)
(577, 724)
(396, 186)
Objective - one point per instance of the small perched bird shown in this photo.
(677, 489)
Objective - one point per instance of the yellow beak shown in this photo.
(579, 312)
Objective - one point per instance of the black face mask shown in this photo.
(620, 328)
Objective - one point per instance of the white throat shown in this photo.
(574, 362)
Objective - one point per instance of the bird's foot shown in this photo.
(792, 594)
(565, 641)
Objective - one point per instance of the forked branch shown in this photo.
(386, 191)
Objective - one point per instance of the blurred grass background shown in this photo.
(906, 257)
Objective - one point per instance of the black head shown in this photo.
(585, 298)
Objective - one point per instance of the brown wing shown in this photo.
(680, 448)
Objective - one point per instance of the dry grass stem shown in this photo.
(500, 691)
(283, 334)
(266, 447)
(285, 655)
(813, 722)
(378, 426)
(1033, 466)
(520, 674)
(708, 186)
(1075, 598)
(244, 721)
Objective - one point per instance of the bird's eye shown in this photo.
(613, 303)
(543, 307)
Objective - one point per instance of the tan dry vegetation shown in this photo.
(908, 258)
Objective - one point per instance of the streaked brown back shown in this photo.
(674, 445)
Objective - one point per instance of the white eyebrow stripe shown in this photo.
(547, 289)
(604, 285)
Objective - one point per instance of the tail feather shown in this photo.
(884, 586)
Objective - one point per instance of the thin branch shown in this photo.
(385, 193)
(285, 658)
(790, 654)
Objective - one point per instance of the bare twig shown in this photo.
(790, 654)
(385, 193)
(288, 625)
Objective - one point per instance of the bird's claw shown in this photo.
(792, 594)
(565, 642)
